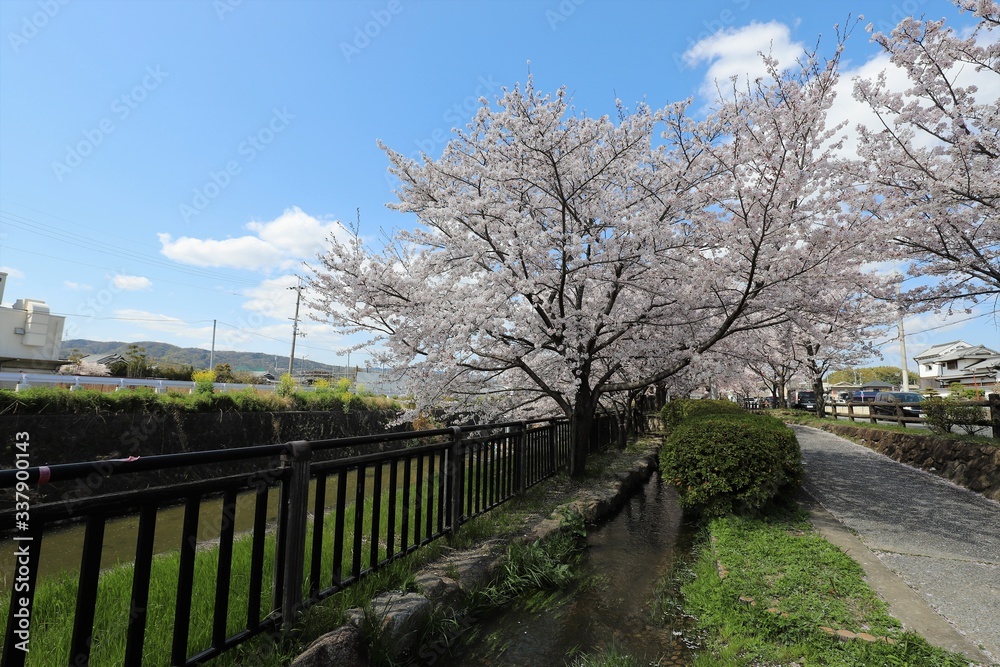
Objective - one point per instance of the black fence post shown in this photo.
(520, 454)
(456, 476)
(295, 495)
(553, 446)
(995, 415)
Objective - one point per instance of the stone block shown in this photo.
(341, 647)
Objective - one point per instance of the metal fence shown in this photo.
(299, 528)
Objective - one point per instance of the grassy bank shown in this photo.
(769, 591)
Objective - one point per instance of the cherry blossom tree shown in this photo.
(769, 356)
(841, 336)
(557, 259)
(932, 165)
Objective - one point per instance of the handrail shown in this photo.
(451, 476)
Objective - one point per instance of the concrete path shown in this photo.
(943, 541)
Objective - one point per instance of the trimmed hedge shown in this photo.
(723, 459)
(48, 400)
(676, 411)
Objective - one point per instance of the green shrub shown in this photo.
(286, 386)
(943, 414)
(204, 381)
(677, 410)
(51, 401)
(730, 461)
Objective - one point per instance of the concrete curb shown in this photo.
(904, 603)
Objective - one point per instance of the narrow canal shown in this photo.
(616, 604)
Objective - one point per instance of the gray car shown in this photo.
(893, 397)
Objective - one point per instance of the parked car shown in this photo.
(893, 397)
(805, 400)
(864, 396)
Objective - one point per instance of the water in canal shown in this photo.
(623, 561)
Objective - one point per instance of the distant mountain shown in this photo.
(195, 356)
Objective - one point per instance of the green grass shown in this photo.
(782, 565)
(612, 656)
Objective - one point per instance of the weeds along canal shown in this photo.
(615, 604)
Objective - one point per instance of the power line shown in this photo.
(280, 340)
(108, 268)
(48, 231)
(940, 326)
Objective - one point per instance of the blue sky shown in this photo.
(164, 164)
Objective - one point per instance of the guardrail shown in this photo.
(75, 382)
(383, 505)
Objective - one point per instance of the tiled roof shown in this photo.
(940, 349)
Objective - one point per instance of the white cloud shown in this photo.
(130, 283)
(855, 112)
(735, 53)
(12, 272)
(77, 287)
(274, 297)
(281, 243)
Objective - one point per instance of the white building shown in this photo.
(958, 361)
(30, 336)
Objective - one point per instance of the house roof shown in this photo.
(103, 359)
(969, 353)
(943, 348)
(987, 364)
(876, 384)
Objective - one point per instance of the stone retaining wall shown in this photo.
(444, 585)
(972, 465)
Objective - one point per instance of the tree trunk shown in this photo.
(581, 428)
(820, 400)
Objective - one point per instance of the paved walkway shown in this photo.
(940, 539)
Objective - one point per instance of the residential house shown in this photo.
(974, 366)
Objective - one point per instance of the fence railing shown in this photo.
(897, 413)
(253, 549)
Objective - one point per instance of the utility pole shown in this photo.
(902, 347)
(211, 356)
(902, 354)
(295, 323)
